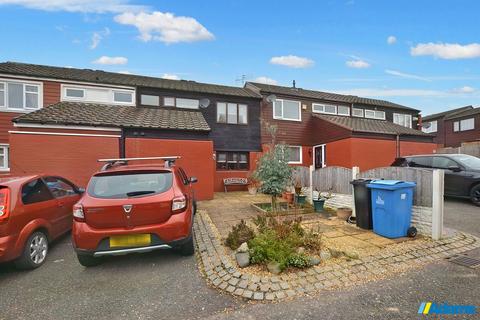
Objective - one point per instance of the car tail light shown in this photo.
(4, 204)
(78, 214)
(179, 204)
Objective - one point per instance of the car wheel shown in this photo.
(88, 261)
(475, 195)
(35, 251)
(188, 248)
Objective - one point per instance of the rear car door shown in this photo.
(39, 203)
(67, 195)
(455, 181)
(127, 199)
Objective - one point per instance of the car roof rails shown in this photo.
(169, 161)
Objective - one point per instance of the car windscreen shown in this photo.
(119, 185)
(468, 161)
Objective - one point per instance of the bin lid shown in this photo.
(360, 181)
(390, 184)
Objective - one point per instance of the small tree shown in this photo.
(274, 173)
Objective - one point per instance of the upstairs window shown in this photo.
(4, 157)
(430, 127)
(232, 113)
(357, 112)
(169, 102)
(287, 110)
(404, 120)
(97, 94)
(324, 108)
(343, 111)
(75, 93)
(149, 100)
(230, 160)
(187, 103)
(375, 114)
(464, 125)
(122, 97)
(20, 96)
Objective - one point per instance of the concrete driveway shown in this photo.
(163, 285)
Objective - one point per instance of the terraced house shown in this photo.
(61, 120)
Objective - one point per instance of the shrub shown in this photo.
(312, 240)
(239, 234)
(298, 261)
(266, 247)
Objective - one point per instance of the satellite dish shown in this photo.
(204, 103)
(271, 98)
(426, 125)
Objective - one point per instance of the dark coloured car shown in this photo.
(134, 208)
(462, 172)
(34, 210)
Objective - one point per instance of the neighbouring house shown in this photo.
(326, 129)
(454, 127)
(65, 119)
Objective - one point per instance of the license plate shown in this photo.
(131, 240)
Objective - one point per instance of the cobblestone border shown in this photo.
(222, 273)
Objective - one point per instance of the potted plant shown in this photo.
(319, 200)
(300, 197)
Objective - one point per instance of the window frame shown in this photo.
(429, 129)
(5, 166)
(196, 108)
(74, 98)
(404, 115)
(132, 94)
(374, 114)
(24, 84)
(301, 154)
(227, 153)
(358, 109)
(459, 126)
(341, 114)
(52, 197)
(71, 184)
(226, 113)
(169, 105)
(323, 105)
(149, 95)
(282, 117)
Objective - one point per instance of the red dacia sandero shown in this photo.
(134, 208)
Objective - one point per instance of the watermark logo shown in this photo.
(445, 308)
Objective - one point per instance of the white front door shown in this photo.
(319, 156)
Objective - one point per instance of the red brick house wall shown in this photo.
(73, 157)
(197, 158)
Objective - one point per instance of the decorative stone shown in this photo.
(325, 255)
(351, 254)
(314, 261)
(274, 267)
(301, 250)
(334, 252)
(243, 259)
(243, 247)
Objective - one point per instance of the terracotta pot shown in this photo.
(289, 197)
(284, 195)
(252, 190)
(344, 213)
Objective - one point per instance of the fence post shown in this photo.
(310, 176)
(355, 174)
(437, 203)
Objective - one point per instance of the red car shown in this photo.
(134, 208)
(34, 210)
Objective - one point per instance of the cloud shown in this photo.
(84, 6)
(170, 76)
(292, 61)
(111, 60)
(124, 72)
(98, 36)
(165, 27)
(357, 64)
(406, 75)
(465, 89)
(447, 50)
(391, 40)
(265, 80)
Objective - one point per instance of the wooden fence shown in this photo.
(333, 179)
(301, 176)
(423, 193)
(471, 148)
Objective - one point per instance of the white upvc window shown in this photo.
(169, 101)
(356, 112)
(324, 108)
(149, 100)
(4, 166)
(343, 111)
(464, 125)
(375, 114)
(294, 154)
(93, 94)
(19, 95)
(187, 103)
(430, 127)
(287, 110)
(404, 120)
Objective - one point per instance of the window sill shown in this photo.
(18, 110)
(283, 119)
(4, 170)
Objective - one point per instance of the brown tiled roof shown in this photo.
(100, 76)
(89, 114)
(363, 125)
(320, 95)
(464, 113)
(447, 113)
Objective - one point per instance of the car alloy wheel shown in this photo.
(38, 248)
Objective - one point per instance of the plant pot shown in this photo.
(300, 198)
(318, 205)
(252, 190)
(289, 197)
(344, 213)
(284, 195)
(298, 190)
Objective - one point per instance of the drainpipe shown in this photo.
(398, 146)
(122, 144)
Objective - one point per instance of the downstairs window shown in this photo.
(232, 160)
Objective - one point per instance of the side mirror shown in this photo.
(193, 179)
(455, 168)
(81, 190)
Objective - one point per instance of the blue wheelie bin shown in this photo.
(392, 202)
